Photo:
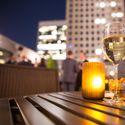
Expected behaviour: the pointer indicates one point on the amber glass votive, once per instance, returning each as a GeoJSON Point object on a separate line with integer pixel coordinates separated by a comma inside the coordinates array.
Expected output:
{"type": "Point", "coordinates": [93, 80]}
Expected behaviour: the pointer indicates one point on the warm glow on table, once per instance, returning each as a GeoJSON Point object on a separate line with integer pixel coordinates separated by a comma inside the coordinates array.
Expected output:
{"type": "Point", "coordinates": [93, 80]}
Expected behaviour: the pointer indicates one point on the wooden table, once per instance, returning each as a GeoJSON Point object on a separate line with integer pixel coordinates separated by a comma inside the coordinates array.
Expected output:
{"type": "Point", "coordinates": [62, 108]}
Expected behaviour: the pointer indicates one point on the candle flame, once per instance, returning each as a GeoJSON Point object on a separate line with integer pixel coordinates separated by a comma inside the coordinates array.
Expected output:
{"type": "Point", "coordinates": [97, 82]}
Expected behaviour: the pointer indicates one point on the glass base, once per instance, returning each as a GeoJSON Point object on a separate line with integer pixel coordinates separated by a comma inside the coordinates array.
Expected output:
{"type": "Point", "coordinates": [115, 100]}
{"type": "Point", "coordinates": [119, 103]}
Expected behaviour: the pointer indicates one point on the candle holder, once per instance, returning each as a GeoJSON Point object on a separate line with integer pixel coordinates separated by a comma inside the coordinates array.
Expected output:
{"type": "Point", "coordinates": [93, 80]}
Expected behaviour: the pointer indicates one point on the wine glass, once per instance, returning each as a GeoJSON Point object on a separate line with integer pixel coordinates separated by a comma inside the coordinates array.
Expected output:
{"type": "Point", "coordinates": [114, 50]}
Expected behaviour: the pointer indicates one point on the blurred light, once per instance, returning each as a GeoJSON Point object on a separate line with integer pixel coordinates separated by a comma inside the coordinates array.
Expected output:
{"type": "Point", "coordinates": [112, 3]}
{"type": "Point", "coordinates": [94, 59]}
{"type": "Point", "coordinates": [47, 28]}
{"type": "Point", "coordinates": [112, 73]}
{"type": "Point", "coordinates": [120, 14]}
{"type": "Point", "coordinates": [118, 54]}
{"type": "Point", "coordinates": [113, 14]}
{"type": "Point", "coordinates": [63, 37]}
{"type": "Point", "coordinates": [59, 41]}
{"type": "Point", "coordinates": [59, 56]}
{"type": "Point", "coordinates": [97, 21]}
{"type": "Point", "coordinates": [52, 27]}
{"type": "Point", "coordinates": [46, 56]}
{"type": "Point", "coordinates": [42, 29]}
{"type": "Point", "coordinates": [102, 4]}
{"type": "Point", "coordinates": [97, 81]}
{"type": "Point", "coordinates": [54, 32]}
{"type": "Point", "coordinates": [52, 46]}
{"type": "Point", "coordinates": [40, 52]}
{"type": "Point", "coordinates": [2, 61]}
{"type": "Point", "coordinates": [98, 51]}
{"type": "Point", "coordinates": [100, 21]}
{"type": "Point", "coordinates": [103, 21]}
{"type": "Point", "coordinates": [46, 37]}
{"type": "Point", "coordinates": [1, 53]}
{"type": "Point", "coordinates": [64, 27]}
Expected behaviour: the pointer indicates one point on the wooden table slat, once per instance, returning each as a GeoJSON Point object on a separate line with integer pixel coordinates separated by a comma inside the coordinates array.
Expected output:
{"type": "Point", "coordinates": [31, 115]}
{"type": "Point", "coordinates": [78, 96]}
{"type": "Point", "coordinates": [102, 108]}
{"type": "Point", "coordinates": [5, 113]}
{"type": "Point", "coordinates": [60, 115]}
{"type": "Point", "coordinates": [83, 111]}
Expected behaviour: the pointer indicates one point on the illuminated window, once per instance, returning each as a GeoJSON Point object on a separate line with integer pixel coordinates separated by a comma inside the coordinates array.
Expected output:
{"type": "Point", "coordinates": [102, 5]}
{"type": "Point", "coordinates": [100, 21]}
{"type": "Point", "coordinates": [1, 53]}
{"type": "Point", "coordinates": [119, 14]}
{"type": "Point", "coordinates": [112, 3]}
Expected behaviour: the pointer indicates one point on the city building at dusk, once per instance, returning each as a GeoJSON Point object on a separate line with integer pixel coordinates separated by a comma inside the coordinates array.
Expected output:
{"type": "Point", "coordinates": [85, 22]}
{"type": "Point", "coordinates": [9, 47]}
{"type": "Point", "coordinates": [52, 39]}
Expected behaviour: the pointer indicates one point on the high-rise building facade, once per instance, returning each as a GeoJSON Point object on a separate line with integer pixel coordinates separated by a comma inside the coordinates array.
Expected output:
{"type": "Point", "coordinates": [52, 39]}
{"type": "Point", "coordinates": [86, 20]}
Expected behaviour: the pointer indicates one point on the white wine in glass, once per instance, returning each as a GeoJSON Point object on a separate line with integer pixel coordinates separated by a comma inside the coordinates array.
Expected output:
{"type": "Point", "coordinates": [114, 48]}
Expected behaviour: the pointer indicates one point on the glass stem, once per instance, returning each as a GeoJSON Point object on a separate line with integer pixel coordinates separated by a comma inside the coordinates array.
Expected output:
{"type": "Point", "coordinates": [116, 82]}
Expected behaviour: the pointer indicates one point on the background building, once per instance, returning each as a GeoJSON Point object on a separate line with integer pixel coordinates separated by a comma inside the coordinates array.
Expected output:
{"type": "Point", "coordinates": [52, 39]}
{"type": "Point", "coordinates": [86, 20]}
{"type": "Point", "coordinates": [9, 47]}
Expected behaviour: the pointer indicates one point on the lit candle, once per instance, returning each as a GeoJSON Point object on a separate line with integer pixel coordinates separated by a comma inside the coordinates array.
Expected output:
{"type": "Point", "coordinates": [93, 80]}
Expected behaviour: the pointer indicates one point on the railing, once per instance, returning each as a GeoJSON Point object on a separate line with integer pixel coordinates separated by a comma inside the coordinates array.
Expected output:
{"type": "Point", "coordinates": [22, 80]}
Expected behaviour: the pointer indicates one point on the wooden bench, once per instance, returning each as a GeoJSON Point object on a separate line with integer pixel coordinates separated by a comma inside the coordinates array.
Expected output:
{"type": "Point", "coordinates": [18, 80]}
{"type": "Point", "coordinates": [62, 108]}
